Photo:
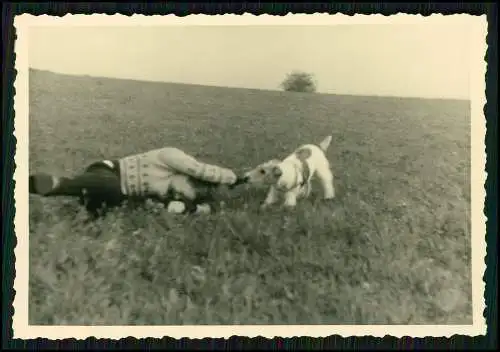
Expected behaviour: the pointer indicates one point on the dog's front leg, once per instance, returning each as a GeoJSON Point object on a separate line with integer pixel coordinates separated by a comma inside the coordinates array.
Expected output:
{"type": "Point", "coordinates": [271, 198]}
{"type": "Point", "coordinates": [290, 200]}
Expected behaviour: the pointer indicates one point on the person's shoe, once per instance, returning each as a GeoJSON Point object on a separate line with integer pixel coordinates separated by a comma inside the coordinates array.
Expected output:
{"type": "Point", "coordinates": [177, 207]}
{"type": "Point", "coordinates": [42, 184]}
{"type": "Point", "coordinates": [204, 209]}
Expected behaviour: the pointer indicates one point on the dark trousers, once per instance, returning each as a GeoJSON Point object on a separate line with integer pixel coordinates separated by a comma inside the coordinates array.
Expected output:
{"type": "Point", "coordinates": [102, 187]}
{"type": "Point", "coordinates": [97, 188]}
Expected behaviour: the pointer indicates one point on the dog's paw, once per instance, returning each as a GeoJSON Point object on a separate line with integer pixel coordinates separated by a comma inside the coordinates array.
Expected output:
{"type": "Point", "coordinates": [289, 206]}
{"type": "Point", "coordinates": [264, 207]}
{"type": "Point", "coordinates": [328, 200]}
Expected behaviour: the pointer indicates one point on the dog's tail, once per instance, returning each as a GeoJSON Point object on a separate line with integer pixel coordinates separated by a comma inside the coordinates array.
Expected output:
{"type": "Point", "coordinates": [325, 143]}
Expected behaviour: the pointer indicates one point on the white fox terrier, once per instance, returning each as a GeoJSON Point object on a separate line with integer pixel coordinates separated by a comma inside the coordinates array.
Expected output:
{"type": "Point", "coordinates": [291, 177]}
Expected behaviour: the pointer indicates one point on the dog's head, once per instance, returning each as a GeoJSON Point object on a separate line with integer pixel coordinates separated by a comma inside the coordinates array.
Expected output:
{"type": "Point", "coordinates": [273, 172]}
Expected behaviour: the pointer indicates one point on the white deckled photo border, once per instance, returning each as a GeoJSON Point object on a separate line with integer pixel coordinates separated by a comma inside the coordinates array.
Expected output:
{"type": "Point", "coordinates": [23, 330]}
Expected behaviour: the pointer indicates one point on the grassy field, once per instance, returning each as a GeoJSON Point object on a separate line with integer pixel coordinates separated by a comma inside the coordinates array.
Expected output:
{"type": "Point", "coordinates": [394, 248]}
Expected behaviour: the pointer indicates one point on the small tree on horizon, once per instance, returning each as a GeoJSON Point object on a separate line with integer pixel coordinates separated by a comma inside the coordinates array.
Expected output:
{"type": "Point", "coordinates": [298, 81]}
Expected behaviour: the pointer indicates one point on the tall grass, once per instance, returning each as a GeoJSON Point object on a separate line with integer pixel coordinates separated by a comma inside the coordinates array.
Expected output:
{"type": "Point", "coordinates": [394, 248]}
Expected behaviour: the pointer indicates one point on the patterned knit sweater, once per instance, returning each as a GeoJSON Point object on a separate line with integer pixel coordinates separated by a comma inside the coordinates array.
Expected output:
{"type": "Point", "coordinates": [150, 173]}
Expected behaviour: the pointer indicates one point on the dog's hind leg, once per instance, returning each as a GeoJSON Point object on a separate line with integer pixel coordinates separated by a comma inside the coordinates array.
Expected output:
{"type": "Point", "coordinates": [325, 176]}
{"type": "Point", "coordinates": [290, 200]}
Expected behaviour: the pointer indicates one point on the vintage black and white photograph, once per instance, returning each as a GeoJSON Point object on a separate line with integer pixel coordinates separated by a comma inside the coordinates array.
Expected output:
{"type": "Point", "coordinates": [262, 173]}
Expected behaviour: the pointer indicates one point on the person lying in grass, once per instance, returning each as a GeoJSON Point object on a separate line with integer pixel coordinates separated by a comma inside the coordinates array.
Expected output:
{"type": "Point", "coordinates": [168, 175]}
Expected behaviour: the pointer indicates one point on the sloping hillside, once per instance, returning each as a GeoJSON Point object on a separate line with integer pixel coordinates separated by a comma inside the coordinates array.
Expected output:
{"type": "Point", "coordinates": [394, 247]}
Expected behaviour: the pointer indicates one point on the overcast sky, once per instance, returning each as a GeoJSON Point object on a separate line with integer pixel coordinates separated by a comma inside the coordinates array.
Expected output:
{"type": "Point", "coordinates": [397, 60]}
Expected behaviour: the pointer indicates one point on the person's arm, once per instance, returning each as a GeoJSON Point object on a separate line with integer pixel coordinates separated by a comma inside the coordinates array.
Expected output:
{"type": "Point", "coordinates": [181, 162]}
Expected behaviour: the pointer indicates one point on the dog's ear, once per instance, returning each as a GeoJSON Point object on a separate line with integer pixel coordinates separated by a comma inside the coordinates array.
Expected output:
{"type": "Point", "coordinates": [277, 172]}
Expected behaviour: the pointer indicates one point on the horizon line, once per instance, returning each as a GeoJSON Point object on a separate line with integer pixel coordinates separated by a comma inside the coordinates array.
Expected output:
{"type": "Point", "coordinates": [145, 80]}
